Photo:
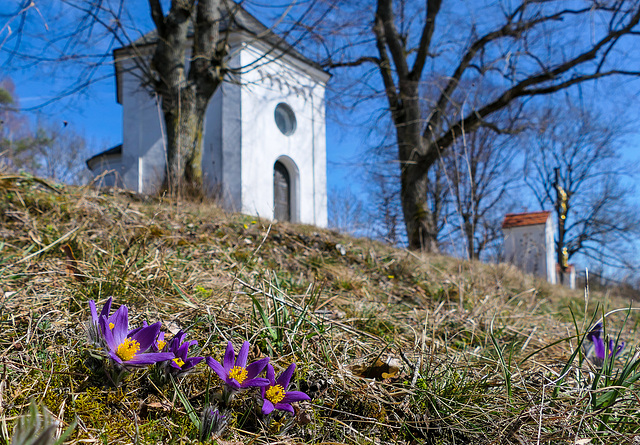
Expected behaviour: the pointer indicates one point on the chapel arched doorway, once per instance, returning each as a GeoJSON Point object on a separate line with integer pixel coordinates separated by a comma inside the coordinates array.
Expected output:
{"type": "Point", "coordinates": [281, 192]}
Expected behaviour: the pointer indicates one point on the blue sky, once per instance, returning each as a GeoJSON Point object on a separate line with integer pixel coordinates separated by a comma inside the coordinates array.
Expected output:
{"type": "Point", "coordinates": [95, 113]}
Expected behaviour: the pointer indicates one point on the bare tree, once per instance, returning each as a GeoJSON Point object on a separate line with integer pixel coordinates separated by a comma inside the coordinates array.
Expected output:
{"type": "Point", "coordinates": [387, 206]}
{"type": "Point", "coordinates": [51, 150]}
{"type": "Point", "coordinates": [574, 165]}
{"type": "Point", "coordinates": [426, 58]}
{"type": "Point", "coordinates": [347, 212]}
{"type": "Point", "coordinates": [56, 151]}
{"type": "Point", "coordinates": [481, 171]}
{"type": "Point", "coordinates": [183, 59]}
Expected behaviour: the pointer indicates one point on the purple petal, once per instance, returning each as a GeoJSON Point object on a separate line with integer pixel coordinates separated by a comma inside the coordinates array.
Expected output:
{"type": "Point", "coordinates": [107, 334]}
{"type": "Point", "coordinates": [217, 368]}
{"type": "Point", "coordinates": [249, 383]}
{"type": "Point", "coordinates": [182, 351]}
{"type": "Point", "coordinates": [241, 359]}
{"type": "Point", "coordinates": [120, 324]}
{"type": "Point", "coordinates": [267, 407]}
{"type": "Point", "coordinates": [191, 362]}
{"type": "Point", "coordinates": [94, 312]}
{"type": "Point", "coordinates": [598, 345]}
{"type": "Point", "coordinates": [271, 375]}
{"type": "Point", "coordinates": [147, 336]}
{"type": "Point", "coordinates": [285, 377]}
{"type": "Point", "coordinates": [106, 308]}
{"type": "Point", "coordinates": [612, 347]}
{"type": "Point", "coordinates": [229, 356]}
{"type": "Point", "coordinates": [149, 358]}
{"type": "Point", "coordinates": [282, 406]}
{"type": "Point", "coordinates": [294, 396]}
{"type": "Point", "coordinates": [179, 337]}
{"type": "Point", "coordinates": [233, 383]}
{"type": "Point", "coordinates": [115, 357]}
{"type": "Point", "coordinates": [256, 367]}
{"type": "Point", "coordinates": [595, 332]}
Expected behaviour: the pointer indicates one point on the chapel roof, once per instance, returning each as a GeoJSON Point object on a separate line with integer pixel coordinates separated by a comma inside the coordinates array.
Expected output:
{"type": "Point", "coordinates": [113, 151]}
{"type": "Point", "coordinates": [525, 219]}
{"type": "Point", "coordinates": [236, 18]}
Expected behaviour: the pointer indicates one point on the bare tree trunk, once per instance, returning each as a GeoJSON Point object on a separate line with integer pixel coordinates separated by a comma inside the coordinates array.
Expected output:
{"type": "Point", "coordinates": [422, 231]}
{"type": "Point", "coordinates": [469, 231]}
{"type": "Point", "coordinates": [185, 124]}
{"type": "Point", "coordinates": [185, 96]}
{"type": "Point", "coordinates": [421, 228]}
{"type": "Point", "coordinates": [402, 57]}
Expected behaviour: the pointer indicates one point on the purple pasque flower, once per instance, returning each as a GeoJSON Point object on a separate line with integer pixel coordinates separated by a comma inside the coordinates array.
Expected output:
{"type": "Point", "coordinates": [595, 336]}
{"type": "Point", "coordinates": [129, 348]}
{"type": "Point", "coordinates": [158, 344]}
{"type": "Point", "coordinates": [276, 396]}
{"type": "Point", "coordinates": [212, 423]}
{"type": "Point", "coordinates": [94, 332]}
{"type": "Point", "coordinates": [104, 312]}
{"type": "Point", "coordinates": [180, 349]}
{"type": "Point", "coordinates": [236, 374]}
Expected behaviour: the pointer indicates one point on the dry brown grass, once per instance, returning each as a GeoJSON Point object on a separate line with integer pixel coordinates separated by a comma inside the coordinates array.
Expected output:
{"type": "Point", "coordinates": [195, 267]}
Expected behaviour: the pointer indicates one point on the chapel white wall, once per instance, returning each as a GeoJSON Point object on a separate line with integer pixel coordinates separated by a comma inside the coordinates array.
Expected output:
{"type": "Point", "coordinates": [549, 231]}
{"type": "Point", "coordinates": [241, 141]}
{"type": "Point", "coordinates": [530, 248]}
{"type": "Point", "coordinates": [263, 144]}
{"type": "Point", "coordinates": [222, 144]}
{"type": "Point", "coordinates": [111, 169]}
{"type": "Point", "coordinates": [143, 148]}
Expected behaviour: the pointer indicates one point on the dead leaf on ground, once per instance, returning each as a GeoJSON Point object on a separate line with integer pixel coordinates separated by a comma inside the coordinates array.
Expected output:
{"type": "Point", "coordinates": [378, 370]}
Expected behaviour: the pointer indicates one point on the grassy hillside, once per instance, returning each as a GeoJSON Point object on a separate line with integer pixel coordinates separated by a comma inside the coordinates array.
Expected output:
{"type": "Point", "coordinates": [391, 346]}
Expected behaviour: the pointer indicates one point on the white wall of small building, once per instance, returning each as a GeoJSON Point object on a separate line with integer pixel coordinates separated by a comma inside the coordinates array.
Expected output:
{"type": "Point", "coordinates": [111, 170]}
{"type": "Point", "coordinates": [303, 152]}
{"type": "Point", "coordinates": [143, 146]}
{"type": "Point", "coordinates": [222, 143]}
{"type": "Point", "coordinates": [531, 248]}
{"type": "Point", "coordinates": [241, 141]}
{"type": "Point", "coordinates": [551, 257]}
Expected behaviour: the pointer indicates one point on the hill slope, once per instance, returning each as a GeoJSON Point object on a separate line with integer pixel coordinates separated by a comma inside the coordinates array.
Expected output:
{"type": "Point", "coordinates": [392, 347]}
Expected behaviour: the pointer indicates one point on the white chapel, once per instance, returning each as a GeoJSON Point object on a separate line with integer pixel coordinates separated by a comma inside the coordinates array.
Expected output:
{"type": "Point", "coordinates": [529, 244]}
{"type": "Point", "coordinates": [264, 137]}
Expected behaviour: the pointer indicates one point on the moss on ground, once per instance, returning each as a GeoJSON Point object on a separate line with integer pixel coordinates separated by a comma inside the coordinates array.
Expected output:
{"type": "Point", "coordinates": [477, 348]}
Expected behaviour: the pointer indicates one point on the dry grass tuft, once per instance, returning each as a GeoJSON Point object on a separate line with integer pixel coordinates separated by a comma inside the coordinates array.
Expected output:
{"type": "Point", "coordinates": [392, 347]}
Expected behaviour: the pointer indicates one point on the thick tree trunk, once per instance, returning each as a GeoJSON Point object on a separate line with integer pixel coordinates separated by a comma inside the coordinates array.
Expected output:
{"type": "Point", "coordinates": [185, 123]}
{"type": "Point", "coordinates": [185, 96]}
{"type": "Point", "coordinates": [418, 218]}
{"type": "Point", "coordinates": [469, 231]}
{"type": "Point", "coordinates": [422, 233]}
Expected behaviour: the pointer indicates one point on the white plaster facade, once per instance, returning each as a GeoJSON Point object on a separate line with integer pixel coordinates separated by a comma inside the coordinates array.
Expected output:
{"type": "Point", "coordinates": [241, 141]}
{"type": "Point", "coordinates": [532, 248]}
{"type": "Point", "coordinates": [529, 244]}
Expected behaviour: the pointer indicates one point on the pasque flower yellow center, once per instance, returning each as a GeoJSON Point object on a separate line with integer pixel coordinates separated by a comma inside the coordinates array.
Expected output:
{"type": "Point", "coordinates": [178, 361]}
{"type": "Point", "coordinates": [111, 325]}
{"type": "Point", "coordinates": [275, 394]}
{"type": "Point", "coordinates": [127, 350]}
{"type": "Point", "coordinates": [238, 373]}
{"type": "Point", "coordinates": [161, 344]}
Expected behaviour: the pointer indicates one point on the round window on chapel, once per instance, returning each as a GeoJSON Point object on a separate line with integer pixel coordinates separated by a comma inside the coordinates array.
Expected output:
{"type": "Point", "coordinates": [285, 119]}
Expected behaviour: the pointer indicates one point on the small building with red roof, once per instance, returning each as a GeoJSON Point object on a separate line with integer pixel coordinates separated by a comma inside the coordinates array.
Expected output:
{"type": "Point", "coordinates": [529, 243]}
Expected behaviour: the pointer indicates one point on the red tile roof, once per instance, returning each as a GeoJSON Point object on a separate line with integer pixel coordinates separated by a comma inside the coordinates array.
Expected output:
{"type": "Point", "coordinates": [524, 219]}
